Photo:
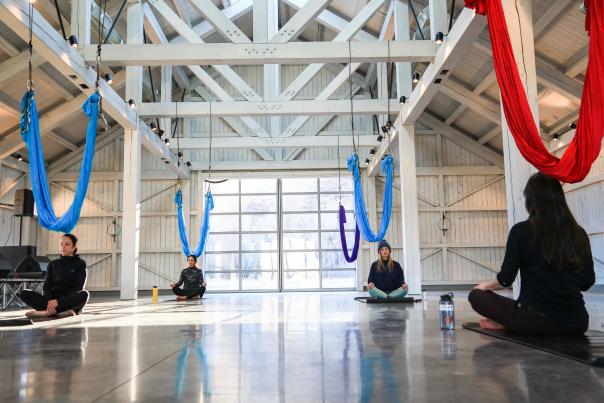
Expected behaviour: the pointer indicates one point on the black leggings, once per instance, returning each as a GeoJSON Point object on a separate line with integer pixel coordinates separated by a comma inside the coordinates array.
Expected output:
{"type": "Point", "coordinates": [520, 320]}
{"type": "Point", "coordinates": [39, 302]}
{"type": "Point", "coordinates": [189, 292]}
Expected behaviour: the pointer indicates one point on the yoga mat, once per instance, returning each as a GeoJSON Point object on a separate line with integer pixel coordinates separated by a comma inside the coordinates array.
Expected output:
{"type": "Point", "coordinates": [15, 322]}
{"type": "Point", "coordinates": [371, 300]}
{"type": "Point", "coordinates": [588, 349]}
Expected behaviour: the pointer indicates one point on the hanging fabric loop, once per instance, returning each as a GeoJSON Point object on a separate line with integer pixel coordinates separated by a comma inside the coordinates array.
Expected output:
{"type": "Point", "coordinates": [357, 235]}
{"type": "Point", "coordinates": [30, 132]}
{"type": "Point", "coordinates": [359, 203]}
{"type": "Point", "coordinates": [205, 227]}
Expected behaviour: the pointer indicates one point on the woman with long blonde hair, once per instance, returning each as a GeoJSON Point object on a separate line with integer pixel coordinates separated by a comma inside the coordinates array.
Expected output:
{"type": "Point", "coordinates": [386, 278]}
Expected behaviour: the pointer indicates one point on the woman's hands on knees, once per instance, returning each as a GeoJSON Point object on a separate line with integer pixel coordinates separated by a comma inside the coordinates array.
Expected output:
{"type": "Point", "coordinates": [52, 305]}
{"type": "Point", "coordinates": [370, 286]}
{"type": "Point", "coordinates": [488, 285]}
{"type": "Point", "coordinates": [405, 286]}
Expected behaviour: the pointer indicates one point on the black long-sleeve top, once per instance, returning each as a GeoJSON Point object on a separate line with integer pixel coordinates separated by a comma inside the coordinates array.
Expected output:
{"type": "Point", "coordinates": [555, 294]}
{"type": "Point", "coordinates": [191, 277]}
{"type": "Point", "coordinates": [64, 276]}
{"type": "Point", "coordinates": [386, 280]}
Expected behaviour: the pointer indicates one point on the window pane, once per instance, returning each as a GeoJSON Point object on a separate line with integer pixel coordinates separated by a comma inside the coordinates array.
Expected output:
{"type": "Point", "coordinates": [331, 184]}
{"type": "Point", "coordinates": [338, 279]}
{"type": "Point", "coordinates": [335, 260]}
{"type": "Point", "coordinates": [332, 202]}
{"type": "Point", "coordinates": [224, 223]}
{"type": "Point", "coordinates": [258, 280]}
{"type": "Point", "coordinates": [259, 222]}
{"type": "Point", "coordinates": [226, 204]}
{"type": "Point", "coordinates": [222, 281]}
{"type": "Point", "coordinates": [300, 222]}
{"type": "Point", "coordinates": [259, 242]}
{"type": "Point", "coordinates": [297, 185]}
{"type": "Point", "coordinates": [302, 279]}
{"type": "Point", "coordinates": [258, 185]}
{"type": "Point", "coordinates": [229, 187]}
{"type": "Point", "coordinates": [261, 204]}
{"type": "Point", "coordinates": [300, 203]}
{"type": "Point", "coordinates": [331, 240]}
{"type": "Point", "coordinates": [303, 240]}
{"type": "Point", "coordinates": [330, 221]}
{"type": "Point", "coordinates": [223, 242]}
{"type": "Point", "coordinates": [260, 261]}
{"type": "Point", "coordinates": [221, 262]}
{"type": "Point", "coordinates": [300, 260]}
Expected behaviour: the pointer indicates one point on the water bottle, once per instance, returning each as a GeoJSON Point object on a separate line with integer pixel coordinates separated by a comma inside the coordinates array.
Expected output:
{"type": "Point", "coordinates": [447, 312]}
{"type": "Point", "coordinates": [155, 294]}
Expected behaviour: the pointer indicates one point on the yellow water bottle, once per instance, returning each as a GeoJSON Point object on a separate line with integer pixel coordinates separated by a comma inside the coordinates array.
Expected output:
{"type": "Point", "coordinates": [155, 294]}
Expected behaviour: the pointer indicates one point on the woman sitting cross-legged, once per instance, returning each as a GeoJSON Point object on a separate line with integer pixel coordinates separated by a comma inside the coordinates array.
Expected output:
{"type": "Point", "coordinates": [191, 279]}
{"type": "Point", "coordinates": [553, 255]}
{"type": "Point", "coordinates": [63, 290]}
{"type": "Point", "coordinates": [386, 277]}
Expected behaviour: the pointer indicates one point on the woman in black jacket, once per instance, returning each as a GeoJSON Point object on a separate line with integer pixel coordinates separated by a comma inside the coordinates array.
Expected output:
{"type": "Point", "coordinates": [192, 281]}
{"type": "Point", "coordinates": [553, 255]}
{"type": "Point", "coordinates": [386, 277]}
{"type": "Point", "coordinates": [63, 290]}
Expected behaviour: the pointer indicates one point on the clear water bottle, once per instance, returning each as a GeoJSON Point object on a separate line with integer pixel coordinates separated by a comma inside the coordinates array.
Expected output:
{"type": "Point", "coordinates": [447, 312]}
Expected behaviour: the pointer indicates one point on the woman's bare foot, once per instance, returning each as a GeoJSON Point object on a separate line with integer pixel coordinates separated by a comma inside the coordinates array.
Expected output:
{"type": "Point", "coordinates": [490, 324]}
{"type": "Point", "coordinates": [196, 297]}
{"type": "Point", "coordinates": [40, 314]}
{"type": "Point", "coordinates": [181, 298]}
{"type": "Point", "coordinates": [67, 313]}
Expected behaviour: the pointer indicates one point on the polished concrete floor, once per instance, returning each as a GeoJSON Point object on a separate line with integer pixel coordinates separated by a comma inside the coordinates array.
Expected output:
{"type": "Point", "coordinates": [296, 347]}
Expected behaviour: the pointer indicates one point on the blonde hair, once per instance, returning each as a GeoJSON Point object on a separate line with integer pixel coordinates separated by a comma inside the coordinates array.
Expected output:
{"type": "Point", "coordinates": [380, 263]}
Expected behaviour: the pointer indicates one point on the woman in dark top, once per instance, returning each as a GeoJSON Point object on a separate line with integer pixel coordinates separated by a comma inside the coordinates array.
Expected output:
{"type": "Point", "coordinates": [191, 279]}
{"type": "Point", "coordinates": [63, 290]}
{"type": "Point", "coordinates": [386, 278]}
{"type": "Point", "coordinates": [553, 255]}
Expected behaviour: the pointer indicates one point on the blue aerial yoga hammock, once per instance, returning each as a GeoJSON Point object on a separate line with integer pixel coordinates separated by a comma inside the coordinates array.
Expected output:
{"type": "Point", "coordinates": [359, 203]}
{"type": "Point", "coordinates": [205, 226]}
{"type": "Point", "coordinates": [30, 131]}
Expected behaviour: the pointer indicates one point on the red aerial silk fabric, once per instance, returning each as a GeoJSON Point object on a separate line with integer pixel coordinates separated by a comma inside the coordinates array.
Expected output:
{"type": "Point", "coordinates": [576, 162]}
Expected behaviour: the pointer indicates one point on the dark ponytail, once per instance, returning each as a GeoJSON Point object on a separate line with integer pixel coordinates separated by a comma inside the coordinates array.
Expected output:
{"type": "Point", "coordinates": [74, 241]}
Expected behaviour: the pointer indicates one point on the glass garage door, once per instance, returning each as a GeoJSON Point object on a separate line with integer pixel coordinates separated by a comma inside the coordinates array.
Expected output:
{"type": "Point", "coordinates": [279, 234]}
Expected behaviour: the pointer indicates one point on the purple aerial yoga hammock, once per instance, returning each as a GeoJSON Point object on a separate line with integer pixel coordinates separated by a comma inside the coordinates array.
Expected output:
{"type": "Point", "coordinates": [355, 248]}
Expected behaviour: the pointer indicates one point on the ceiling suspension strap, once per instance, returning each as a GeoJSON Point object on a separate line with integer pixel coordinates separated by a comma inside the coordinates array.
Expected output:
{"type": "Point", "coordinates": [354, 144]}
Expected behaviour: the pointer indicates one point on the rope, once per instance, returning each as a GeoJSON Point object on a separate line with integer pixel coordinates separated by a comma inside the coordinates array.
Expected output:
{"type": "Point", "coordinates": [389, 94]}
{"type": "Point", "coordinates": [416, 20]}
{"type": "Point", "coordinates": [354, 145]}
{"type": "Point", "coordinates": [339, 173]}
{"type": "Point", "coordinates": [210, 151]}
{"type": "Point", "coordinates": [451, 16]}
{"type": "Point", "coordinates": [30, 48]}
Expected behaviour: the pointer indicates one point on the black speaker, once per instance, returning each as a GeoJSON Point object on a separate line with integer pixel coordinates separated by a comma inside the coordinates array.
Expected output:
{"type": "Point", "coordinates": [24, 203]}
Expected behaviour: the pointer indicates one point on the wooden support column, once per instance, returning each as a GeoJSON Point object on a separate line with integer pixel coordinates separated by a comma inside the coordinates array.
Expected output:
{"type": "Point", "coordinates": [166, 96]}
{"type": "Point", "coordinates": [438, 17]}
{"type": "Point", "coordinates": [519, 19]}
{"type": "Point", "coordinates": [80, 21]}
{"type": "Point", "coordinates": [266, 25]}
{"type": "Point", "coordinates": [408, 171]}
{"type": "Point", "coordinates": [132, 167]}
